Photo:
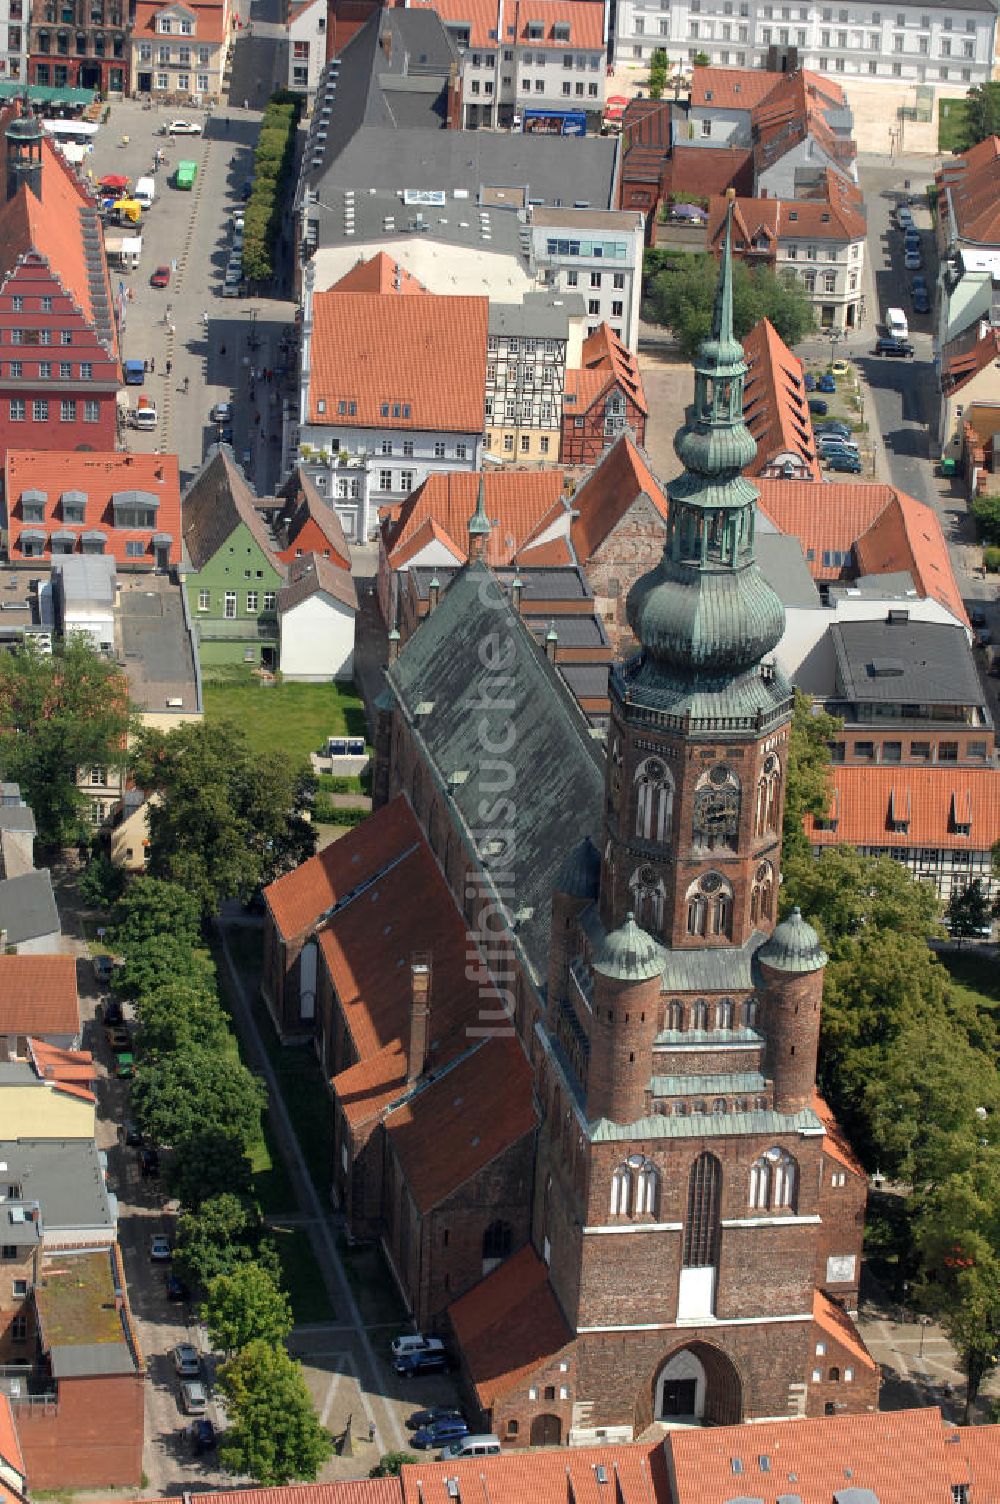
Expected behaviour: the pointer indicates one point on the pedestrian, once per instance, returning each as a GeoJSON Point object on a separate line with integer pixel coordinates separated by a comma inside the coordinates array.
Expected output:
{"type": "Point", "coordinates": [256, 418]}
{"type": "Point", "coordinates": [152, 365]}
{"type": "Point", "coordinates": [251, 392]}
{"type": "Point", "coordinates": [204, 318]}
{"type": "Point", "coordinates": [371, 1430]}
{"type": "Point", "coordinates": [172, 330]}
{"type": "Point", "coordinates": [170, 366]}
{"type": "Point", "coordinates": [246, 104]}
{"type": "Point", "coordinates": [145, 367]}
{"type": "Point", "coordinates": [173, 265]}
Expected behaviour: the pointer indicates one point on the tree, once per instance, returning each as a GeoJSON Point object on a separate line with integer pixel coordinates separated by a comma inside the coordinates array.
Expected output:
{"type": "Point", "coordinates": [229, 819]}
{"type": "Point", "coordinates": [243, 1305]}
{"type": "Point", "coordinates": [983, 112]}
{"type": "Point", "coordinates": [216, 1237]}
{"type": "Point", "coordinates": [807, 787]}
{"type": "Point", "coordinates": [683, 296]}
{"type": "Point", "coordinates": [969, 910]}
{"type": "Point", "coordinates": [160, 962]}
{"type": "Point", "coordinates": [391, 1464]}
{"type": "Point", "coordinates": [275, 1435]}
{"type": "Point", "coordinates": [986, 512]}
{"type": "Point", "coordinates": [847, 894]}
{"type": "Point", "coordinates": [60, 712]}
{"type": "Point", "coordinates": [206, 1162]}
{"type": "Point", "coordinates": [178, 1096]}
{"type": "Point", "coordinates": [101, 883]}
{"type": "Point", "coordinates": [150, 907]}
{"type": "Point", "coordinates": [182, 1016]}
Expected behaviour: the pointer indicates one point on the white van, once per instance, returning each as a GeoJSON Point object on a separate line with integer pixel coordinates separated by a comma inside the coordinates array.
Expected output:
{"type": "Point", "coordinates": [144, 418]}
{"type": "Point", "coordinates": [895, 323]}
{"type": "Point", "coordinates": [416, 1342]}
{"type": "Point", "coordinates": [471, 1446]}
{"type": "Point", "coordinates": [144, 192]}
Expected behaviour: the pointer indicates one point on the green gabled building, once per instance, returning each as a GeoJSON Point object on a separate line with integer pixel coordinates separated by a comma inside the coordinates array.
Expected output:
{"type": "Point", "coordinates": [233, 574]}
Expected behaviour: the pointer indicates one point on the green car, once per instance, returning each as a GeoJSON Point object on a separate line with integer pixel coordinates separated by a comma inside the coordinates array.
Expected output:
{"type": "Point", "coordinates": [124, 1065]}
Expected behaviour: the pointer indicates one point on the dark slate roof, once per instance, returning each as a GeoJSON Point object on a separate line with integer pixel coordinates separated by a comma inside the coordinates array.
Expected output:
{"type": "Point", "coordinates": [783, 565]}
{"type": "Point", "coordinates": [17, 817]}
{"type": "Point", "coordinates": [572, 631]}
{"type": "Point", "coordinates": [214, 505]}
{"type": "Point", "coordinates": [561, 582]}
{"type": "Point", "coordinates": [27, 907]}
{"type": "Point", "coordinates": [921, 662]}
{"type": "Point", "coordinates": [556, 769]}
{"type": "Point", "coordinates": [588, 681]}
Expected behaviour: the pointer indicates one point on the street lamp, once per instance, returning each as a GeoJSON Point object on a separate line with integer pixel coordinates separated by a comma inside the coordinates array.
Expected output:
{"type": "Point", "coordinates": [925, 1322]}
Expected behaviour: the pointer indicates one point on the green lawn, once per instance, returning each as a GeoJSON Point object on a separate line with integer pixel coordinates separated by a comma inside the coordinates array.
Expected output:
{"type": "Point", "coordinates": [304, 1092]}
{"type": "Point", "coordinates": [975, 976]}
{"type": "Point", "coordinates": [301, 1275]}
{"type": "Point", "coordinates": [371, 1284]}
{"type": "Point", "coordinates": [295, 718]}
{"type": "Point", "coordinates": [953, 128]}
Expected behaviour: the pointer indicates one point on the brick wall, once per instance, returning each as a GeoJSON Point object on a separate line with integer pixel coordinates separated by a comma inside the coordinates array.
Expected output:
{"type": "Point", "coordinates": [842, 1207]}
{"type": "Point", "coordinates": [92, 1438]}
{"type": "Point", "coordinates": [633, 547]}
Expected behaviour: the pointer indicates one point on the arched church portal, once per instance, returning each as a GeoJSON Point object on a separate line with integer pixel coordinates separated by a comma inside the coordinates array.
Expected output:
{"type": "Point", "coordinates": [698, 1385]}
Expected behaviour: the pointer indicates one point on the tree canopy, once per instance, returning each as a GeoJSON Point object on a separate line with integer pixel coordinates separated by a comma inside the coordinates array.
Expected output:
{"type": "Point", "coordinates": [682, 296]}
{"type": "Point", "coordinates": [275, 1435]}
{"type": "Point", "coordinates": [179, 1096]}
{"type": "Point", "coordinates": [219, 1235]}
{"type": "Point", "coordinates": [162, 961]}
{"type": "Point", "coordinates": [181, 1016]}
{"type": "Point", "coordinates": [807, 785]}
{"type": "Point", "coordinates": [149, 908]}
{"type": "Point", "coordinates": [229, 818]}
{"type": "Point", "coordinates": [60, 712]}
{"type": "Point", "coordinates": [969, 911]}
{"type": "Point", "coordinates": [982, 112]}
{"type": "Point", "coordinates": [245, 1304]}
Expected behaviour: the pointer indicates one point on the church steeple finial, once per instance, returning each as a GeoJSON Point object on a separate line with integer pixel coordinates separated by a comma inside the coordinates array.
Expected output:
{"type": "Point", "coordinates": [722, 313]}
{"type": "Point", "coordinates": [479, 524]}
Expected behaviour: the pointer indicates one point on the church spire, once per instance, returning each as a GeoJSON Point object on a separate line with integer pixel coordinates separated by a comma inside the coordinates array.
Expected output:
{"type": "Point", "coordinates": [479, 524]}
{"type": "Point", "coordinates": [705, 616]}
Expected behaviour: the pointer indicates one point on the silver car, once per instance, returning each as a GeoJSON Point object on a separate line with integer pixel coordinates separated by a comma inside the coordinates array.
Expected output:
{"type": "Point", "coordinates": [194, 1397]}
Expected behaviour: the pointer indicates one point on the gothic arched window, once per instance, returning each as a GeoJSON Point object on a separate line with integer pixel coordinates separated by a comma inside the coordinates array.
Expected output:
{"type": "Point", "coordinates": [768, 796]}
{"type": "Point", "coordinates": [675, 1016]}
{"type": "Point", "coordinates": [647, 1185]}
{"type": "Point", "coordinates": [724, 1013]}
{"type": "Point", "coordinates": [647, 895]}
{"type": "Point", "coordinates": [709, 905]}
{"type": "Point", "coordinates": [498, 1240]}
{"type": "Point", "coordinates": [762, 893]}
{"type": "Point", "coordinates": [701, 1228]}
{"type": "Point", "coordinates": [774, 1180]}
{"type": "Point", "coordinates": [699, 1015]}
{"type": "Point", "coordinates": [717, 809]}
{"type": "Point", "coordinates": [621, 1191]}
{"type": "Point", "coordinates": [654, 803]}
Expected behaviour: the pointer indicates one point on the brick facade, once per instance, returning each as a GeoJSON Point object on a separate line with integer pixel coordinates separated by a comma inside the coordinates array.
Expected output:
{"type": "Point", "coordinates": [91, 1437]}
{"type": "Point", "coordinates": [630, 548]}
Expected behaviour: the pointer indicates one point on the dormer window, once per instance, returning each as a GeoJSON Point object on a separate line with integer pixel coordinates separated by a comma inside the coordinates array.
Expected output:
{"type": "Point", "coordinates": [33, 506]}
{"type": "Point", "coordinates": [165, 25]}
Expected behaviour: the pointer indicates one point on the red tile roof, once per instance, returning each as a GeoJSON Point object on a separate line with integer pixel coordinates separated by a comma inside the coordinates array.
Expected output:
{"type": "Point", "coordinates": [636, 1474]}
{"type": "Point", "coordinates": [902, 1456]}
{"type": "Point", "coordinates": [936, 801]}
{"type": "Point", "coordinates": [690, 170]}
{"type": "Point", "coordinates": [887, 530]}
{"type": "Point", "coordinates": [481, 18]}
{"type": "Point", "coordinates": [372, 975]}
{"type": "Point", "coordinates": [509, 1325]}
{"type": "Point", "coordinates": [516, 500]}
{"type": "Point", "coordinates": [622, 475]}
{"type": "Point", "coordinates": [835, 1322]}
{"type": "Point", "coordinates": [38, 995]}
{"type": "Point", "coordinates": [368, 1087]}
{"type": "Point", "coordinates": [835, 1144]}
{"type": "Point", "coordinates": [99, 476]}
{"type": "Point", "coordinates": [969, 193]}
{"type": "Point", "coordinates": [298, 900]}
{"type": "Point", "coordinates": [775, 404]}
{"type": "Point", "coordinates": [353, 1491]}
{"type": "Point", "coordinates": [55, 1064]}
{"type": "Point", "coordinates": [966, 356]}
{"type": "Point", "coordinates": [798, 107]}
{"type": "Point", "coordinates": [550, 555]}
{"type": "Point", "coordinates": [10, 1442]}
{"type": "Point", "coordinates": [979, 1447]}
{"type": "Point", "coordinates": [607, 363]}
{"type": "Point", "coordinates": [311, 515]}
{"type": "Point", "coordinates": [379, 274]}
{"type": "Point", "coordinates": [209, 20]}
{"type": "Point", "coordinates": [313, 575]}
{"type": "Point", "coordinates": [770, 220]}
{"type": "Point", "coordinates": [730, 88]}
{"type": "Point", "coordinates": [425, 354]}
{"type": "Point", "coordinates": [463, 1120]}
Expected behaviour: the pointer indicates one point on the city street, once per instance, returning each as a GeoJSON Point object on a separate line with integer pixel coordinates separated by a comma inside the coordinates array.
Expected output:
{"type": "Point", "coordinates": [189, 232]}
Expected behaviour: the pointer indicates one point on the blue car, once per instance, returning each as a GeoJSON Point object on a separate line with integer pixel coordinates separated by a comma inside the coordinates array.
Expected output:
{"type": "Point", "coordinates": [441, 1434]}
{"type": "Point", "coordinates": [847, 463]}
{"type": "Point", "coordinates": [412, 1365]}
{"type": "Point", "coordinates": [921, 302]}
{"type": "Point", "coordinates": [818, 406]}
{"type": "Point", "coordinates": [810, 382]}
{"type": "Point", "coordinates": [826, 383]}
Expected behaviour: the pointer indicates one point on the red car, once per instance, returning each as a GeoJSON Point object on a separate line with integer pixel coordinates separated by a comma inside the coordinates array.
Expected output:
{"type": "Point", "coordinates": [161, 277]}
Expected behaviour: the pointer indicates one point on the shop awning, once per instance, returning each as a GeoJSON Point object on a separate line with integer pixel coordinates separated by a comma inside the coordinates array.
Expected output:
{"type": "Point", "coordinates": [43, 94]}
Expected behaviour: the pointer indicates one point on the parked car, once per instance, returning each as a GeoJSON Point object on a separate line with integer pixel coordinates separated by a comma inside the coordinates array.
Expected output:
{"type": "Point", "coordinates": [159, 1248]}
{"type": "Point", "coordinates": [919, 283]}
{"type": "Point", "coordinates": [833, 429]}
{"type": "Point", "coordinates": [187, 1360]}
{"type": "Point", "coordinates": [888, 345]}
{"type": "Point", "coordinates": [904, 216]}
{"type": "Point", "coordinates": [124, 1066]}
{"type": "Point", "coordinates": [118, 1037]}
{"type": "Point", "coordinates": [194, 1397]}
{"type": "Point", "coordinates": [222, 412]}
{"type": "Point", "coordinates": [414, 1342]}
{"type": "Point", "coordinates": [810, 381]}
{"type": "Point", "coordinates": [412, 1365]}
{"type": "Point", "coordinates": [849, 464]}
{"type": "Point", "coordinates": [921, 302]}
{"type": "Point", "coordinates": [977, 616]}
{"type": "Point", "coordinates": [112, 1013]}
{"type": "Point", "coordinates": [184, 128]}
{"type": "Point", "coordinates": [161, 277]}
{"type": "Point", "coordinates": [149, 1163]}
{"type": "Point", "coordinates": [440, 1434]}
{"type": "Point", "coordinates": [826, 383]}
{"type": "Point", "coordinates": [840, 368]}
{"type": "Point", "coordinates": [913, 260]}
{"type": "Point", "coordinates": [176, 1288]}
{"type": "Point", "coordinates": [246, 190]}
{"type": "Point", "coordinates": [104, 967]}
{"type": "Point", "coordinates": [818, 406]}
{"type": "Point", "coordinates": [432, 1413]}
{"type": "Point", "coordinates": [835, 441]}
{"type": "Point", "coordinates": [202, 1434]}
{"type": "Point", "coordinates": [133, 1134]}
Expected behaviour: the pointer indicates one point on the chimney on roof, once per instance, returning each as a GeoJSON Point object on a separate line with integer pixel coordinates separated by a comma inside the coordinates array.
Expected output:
{"type": "Point", "coordinates": [386, 40]}
{"type": "Point", "coordinates": [24, 155]}
{"type": "Point", "coordinates": [516, 591]}
{"type": "Point", "coordinates": [433, 592]}
{"type": "Point", "coordinates": [479, 525]}
{"type": "Point", "coordinates": [394, 645]}
{"type": "Point", "coordinates": [551, 642]}
{"type": "Point", "coordinates": [420, 1015]}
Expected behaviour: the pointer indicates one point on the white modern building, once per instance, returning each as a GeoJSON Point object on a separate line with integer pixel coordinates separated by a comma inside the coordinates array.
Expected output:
{"type": "Point", "coordinates": [923, 43]}
{"type": "Point", "coordinates": [598, 254]}
{"type": "Point", "coordinates": [316, 616]}
{"type": "Point", "coordinates": [306, 46]}
{"type": "Point", "coordinates": [14, 17]}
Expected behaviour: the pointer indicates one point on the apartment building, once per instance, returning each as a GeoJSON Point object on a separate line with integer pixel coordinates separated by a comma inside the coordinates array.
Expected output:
{"type": "Point", "coordinates": [79, 44]}
{"type": "Point", "coordinates": [530, 346]}
{"type": "Point", "coordinates": [538, 66]}
{"type": "Point", "coordinates": [306, 46]}
{"type": "Point", "coordinates": [14, 40]}
{"type": "Point", "coordinates": [597, 253]}
{"type": "Point", "coordinates": [923, 43]}
{"type": "Point", "coordinates": [179, 50]}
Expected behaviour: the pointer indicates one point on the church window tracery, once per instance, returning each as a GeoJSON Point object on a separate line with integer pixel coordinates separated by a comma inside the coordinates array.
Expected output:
{"type": "Point", "coordinates": [768, 796]}
{"type": "Point", "coordinates": [717, 809]}
{"type": "Point", "coordinates": [654, 805]}
{"type": "Point", "coordinates": [709, 905]}
{"type": "Point", "coordinates": [762, 893]}
{"type": "Point", "coordinates": [647, 897]}
{"type": "Point", "coordinates": [774, 1180]}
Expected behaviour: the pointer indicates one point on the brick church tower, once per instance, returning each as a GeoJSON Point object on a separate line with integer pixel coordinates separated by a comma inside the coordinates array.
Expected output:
{"type": "Point", "coordinates": [701, 1233]}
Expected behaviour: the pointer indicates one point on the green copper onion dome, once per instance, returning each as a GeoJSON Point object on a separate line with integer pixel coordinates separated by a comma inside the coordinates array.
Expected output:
{"type": "Point", "coordinates": [793, 946]}
{"type": "Point", "coordinates": [629, 954]}
{"type": "Point", "coordinates": [705, 615]}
